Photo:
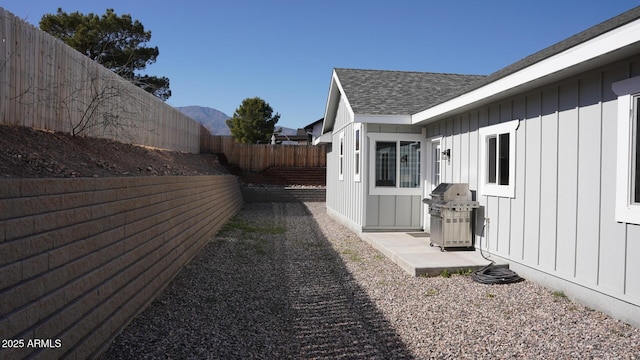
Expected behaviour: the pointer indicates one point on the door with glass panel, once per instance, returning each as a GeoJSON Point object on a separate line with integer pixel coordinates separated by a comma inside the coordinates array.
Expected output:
{"type": "Point", "coordinates": [436, 168]}
{"type": "Point", "coordinates": [433, 175]}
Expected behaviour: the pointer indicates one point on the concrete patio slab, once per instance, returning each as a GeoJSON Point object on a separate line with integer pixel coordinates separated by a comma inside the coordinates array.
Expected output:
{"type": "Point", "coordinates": [411, 251]}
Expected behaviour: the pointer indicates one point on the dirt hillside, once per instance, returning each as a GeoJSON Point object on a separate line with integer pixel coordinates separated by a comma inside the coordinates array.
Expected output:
{"type": "Point", "coordinates": [31, 153]}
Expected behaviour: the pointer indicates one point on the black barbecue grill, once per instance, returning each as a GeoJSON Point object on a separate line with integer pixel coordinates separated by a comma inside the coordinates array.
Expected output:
{"type": "Point", "coordinates": [451, 207]}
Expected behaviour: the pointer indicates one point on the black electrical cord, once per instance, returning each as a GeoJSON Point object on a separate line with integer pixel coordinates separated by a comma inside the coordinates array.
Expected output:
{"type": "Point", "coordinates": [491, 274]}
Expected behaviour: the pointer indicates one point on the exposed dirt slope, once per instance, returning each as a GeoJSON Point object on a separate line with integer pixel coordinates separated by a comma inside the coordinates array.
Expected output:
{"type": "Point", "coordinates": [30, 153]}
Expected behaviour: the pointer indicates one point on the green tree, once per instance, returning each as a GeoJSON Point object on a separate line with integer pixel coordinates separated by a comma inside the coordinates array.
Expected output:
{"type": "Point", "coordinates": [253, 122]}
{"type": "Point", "coordinates": [116, 42]}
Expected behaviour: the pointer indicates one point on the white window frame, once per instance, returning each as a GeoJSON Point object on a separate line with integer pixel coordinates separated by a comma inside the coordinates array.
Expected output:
{"type": "Point", "coordinates": [430, 161]}
{"type": "Point", "coordinates": [341, 156]}
{"type": "Point", "coordinates": [491, 189]}
{"type": "Point", "coordinates": [627, 90]}
{"type": "Point", "coordinates": [357, 151]}
{"type": "Point", "coordinates": [397, 138]}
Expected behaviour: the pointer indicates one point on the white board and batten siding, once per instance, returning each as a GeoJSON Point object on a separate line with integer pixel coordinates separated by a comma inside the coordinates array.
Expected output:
{"type": "Point", "coordinates": [391, 212]}
{"type": "Point", "coordinates": [349, 200]}
{"type": "Point", "coordinates": [344, 195]}
{"type": "Point", "coordinates": [561, 219]}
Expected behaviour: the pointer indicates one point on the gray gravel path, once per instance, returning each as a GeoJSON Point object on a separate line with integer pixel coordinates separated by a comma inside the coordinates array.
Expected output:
{"type": "Point", "coordinates": [283, 280]}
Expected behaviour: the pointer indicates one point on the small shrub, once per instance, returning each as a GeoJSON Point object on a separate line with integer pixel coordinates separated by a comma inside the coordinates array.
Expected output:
{"type": "Point", "coordinates": [353, 255]}
{"type": "Point", "coordinates": [464, 272]}
{"type": "Point", "coordinates": [245, 227]}
{"type": "Point", "coordinates": [445, 273]}
{"type": "Point", "coordinates": [559, 295]}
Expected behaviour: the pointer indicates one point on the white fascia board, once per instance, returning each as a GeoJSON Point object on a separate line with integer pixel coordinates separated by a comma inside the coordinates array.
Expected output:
{"type": "Point", "coordinates": [325, 138]}
{"type": "Point", "coordinates": [333, 101]}
{"type": "Point", "coordinates": [330, 100]}
{"type": "Point", "coordinates": [383, 119]}
{"type": "Point", "coordinates": [613, 40]}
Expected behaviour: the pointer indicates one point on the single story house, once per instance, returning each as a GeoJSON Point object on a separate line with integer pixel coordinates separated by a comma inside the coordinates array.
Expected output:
{"type": "Point", "coordinates": [314, 130]}
{"type": "Point", "coordinates": [303, 136]}
{"type": "Point", "coordinates": [299, 138]}
{"type": "Point", "coordinates": [550, 147]}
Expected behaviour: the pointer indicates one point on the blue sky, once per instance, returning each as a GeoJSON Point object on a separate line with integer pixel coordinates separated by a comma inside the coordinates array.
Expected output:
{"type": "Point", "coordinates": [217, 53]}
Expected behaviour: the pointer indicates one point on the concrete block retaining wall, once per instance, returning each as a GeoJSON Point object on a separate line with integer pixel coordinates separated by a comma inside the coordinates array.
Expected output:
{"type": "Point", "coordinates": [79, 258]}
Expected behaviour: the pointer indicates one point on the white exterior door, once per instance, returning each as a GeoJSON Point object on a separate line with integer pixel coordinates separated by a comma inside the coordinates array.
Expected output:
{"type": "Point", "coordinates": [433, 174]}
{"type": "Point", "coordinates": [436, 168]}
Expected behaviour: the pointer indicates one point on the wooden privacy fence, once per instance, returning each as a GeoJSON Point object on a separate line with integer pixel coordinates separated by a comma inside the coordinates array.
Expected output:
{"type": "Point", "coordinates": [46, 84]}
{"type": "Point", "coordinates": [250, 157]}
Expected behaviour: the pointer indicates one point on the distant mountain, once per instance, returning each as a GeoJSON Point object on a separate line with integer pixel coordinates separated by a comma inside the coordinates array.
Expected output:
{"type": "Point", "coordinates": [212, 119]}
{"type": "Point", "coordinates": [215, 120]}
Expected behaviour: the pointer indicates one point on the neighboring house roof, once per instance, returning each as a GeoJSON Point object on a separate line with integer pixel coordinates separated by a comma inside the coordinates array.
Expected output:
{"type": "Point", "coordinates": [301, 136]}
{"type": "Point", "coordinates": [381, 92]}
{"type": "Point", "coordinates": [310, 126]}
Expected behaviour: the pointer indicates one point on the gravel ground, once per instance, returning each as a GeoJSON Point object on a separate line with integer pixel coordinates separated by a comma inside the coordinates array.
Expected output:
{"type": "Point", "coordinates": [283, 280]}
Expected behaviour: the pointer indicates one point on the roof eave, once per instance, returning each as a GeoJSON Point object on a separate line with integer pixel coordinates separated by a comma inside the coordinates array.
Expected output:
{"type": "Point", "coordinates": [616, 44]}
{"type": "Point", "coordinates": [383, 119]}
{"type": "Point", "coordinates": [310, 126]}
{"type": "Point", "coordinates": [333, 101]}
{"type": "Point", "coordinates": [325, 138]}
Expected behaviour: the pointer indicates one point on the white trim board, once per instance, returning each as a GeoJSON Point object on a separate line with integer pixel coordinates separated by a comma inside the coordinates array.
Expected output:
{"type": "Point", "coordinates": [626, 90]}
{"type": "Point", "coordinates": [602, 45]}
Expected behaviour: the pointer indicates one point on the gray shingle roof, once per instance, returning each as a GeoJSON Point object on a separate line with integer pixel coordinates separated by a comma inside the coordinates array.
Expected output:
{"type": "Point", "coordinates": [382, 92]}
{"type": "Point", "coordinates": [552, 50]}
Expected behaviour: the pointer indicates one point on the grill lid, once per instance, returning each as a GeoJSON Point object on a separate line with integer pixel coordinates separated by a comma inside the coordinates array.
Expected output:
{"type": "Point", "coordinates": [451, 196]}
{"type": "Point", "coordinates": [451, 192]}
